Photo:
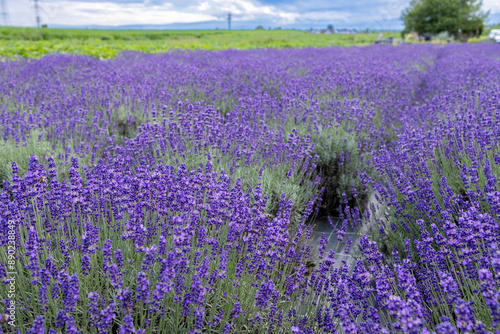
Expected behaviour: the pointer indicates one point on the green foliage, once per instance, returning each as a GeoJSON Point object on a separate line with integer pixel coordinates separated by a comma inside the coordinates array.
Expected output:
{"type": "Point", "coordinates": [34, 144]}
{"type": "Point", "coordinates": [339, 160]}
{"type": "Point", "coordinates": [32, 42]}
{"type": "Point", "coordinates": [436, 16]}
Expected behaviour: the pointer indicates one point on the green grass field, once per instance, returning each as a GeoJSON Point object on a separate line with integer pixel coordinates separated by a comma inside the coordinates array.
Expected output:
{"type": "Point", "coordinates": [33, 42]}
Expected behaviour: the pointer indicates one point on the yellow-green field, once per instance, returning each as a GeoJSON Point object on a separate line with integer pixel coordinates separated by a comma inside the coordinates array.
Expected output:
{"type": "Point", "coordinates": [33, 42]}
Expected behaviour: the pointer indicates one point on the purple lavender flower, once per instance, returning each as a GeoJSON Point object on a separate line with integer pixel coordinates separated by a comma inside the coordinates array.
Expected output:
{"type": "Point", "coordinates": [142, 287]}
{"type": "Point", "coordinates": [128, 325]}
{"type": "Point", "coordinates": [322, 245]}
{"type": "Point", "coordinates": [199, 314]}
{"type": "Point", "coordinates": [93, 308]}
{"type": "Point", "coordinates": [490, 294]}
{"type": "Point", "coordinates": [116, 276]}
{"type": "Point", "coordinates": [465, 315]}
{"type": "Point", "coordinates": [149, 258]}
{"type": "Point", "coordinates": [85, 265]}
{"type": "Point", "coordinates": [37, 326]}
{"type": "Point", "coordinates": [107, 251]}
{"type": "Point", "coordinates": [264, 293]}
{"type": "Point", "coordinates": [445, 327]}
{"type": "Point", "coordinates": [71, 325]}
{"type": "Point", "coordinates": [125, 296]}
{"type": "Point", "coordinates": [450, 286]}
{"type": "Point", "coordinates": [237, 310]}
{"type": "Point", "coordinates": [119, 259]}
{"type": "Point", "coordinates": [73, 294]}
{"type": "Point", "coordinates": [55, 291]}
{"type": "Point", "coordinates": [42, 295]}
{"type": "Point", "coordinates": [107, 316]}
{"type": "Point", "coordinates": [60, 319]}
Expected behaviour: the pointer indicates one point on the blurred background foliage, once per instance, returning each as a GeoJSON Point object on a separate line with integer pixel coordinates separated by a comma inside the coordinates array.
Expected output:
{"type": "Point", "coordinates": [36, 42]}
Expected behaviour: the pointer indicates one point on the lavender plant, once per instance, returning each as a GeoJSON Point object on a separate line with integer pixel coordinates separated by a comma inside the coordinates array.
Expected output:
{"type": "Point", "coordinates": [177, 192]}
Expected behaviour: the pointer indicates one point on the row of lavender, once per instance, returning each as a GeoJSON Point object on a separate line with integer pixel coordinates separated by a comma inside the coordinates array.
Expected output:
{"type": "Point", "coordinates": [441, 191]}
{"type": "Point", "coordinates": [147, 211]}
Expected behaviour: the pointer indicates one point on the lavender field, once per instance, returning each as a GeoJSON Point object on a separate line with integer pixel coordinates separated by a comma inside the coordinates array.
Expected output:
{"type": "Point", "coordinates": [179, 192]}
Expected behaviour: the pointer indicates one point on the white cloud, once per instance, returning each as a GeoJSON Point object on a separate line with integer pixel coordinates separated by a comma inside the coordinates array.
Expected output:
{"type": "Point", "coordinates": [242, 9]}
{"type": "Point", "coordinates": [78, 13]}
{"type": "Point", "coordinates": [492, 5]}
{"type": "Point", "coordinates": [249, 10]}
{"type": "Point", "coordinates": [108, 13]}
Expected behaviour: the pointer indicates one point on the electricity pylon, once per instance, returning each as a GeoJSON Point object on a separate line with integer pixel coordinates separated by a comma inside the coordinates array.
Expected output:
{"type": "Point", "coordinates": [37, 13]}
{"type": "Point", "coordinates": [5, 14]}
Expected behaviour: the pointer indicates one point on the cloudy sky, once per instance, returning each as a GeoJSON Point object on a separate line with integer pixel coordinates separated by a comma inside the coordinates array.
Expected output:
{"type": "Point", "coordinates": [211, 14]}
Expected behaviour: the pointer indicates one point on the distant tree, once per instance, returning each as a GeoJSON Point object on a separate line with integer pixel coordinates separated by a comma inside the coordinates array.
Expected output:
{"type": "Point", "coordinates": [259, 28]}
{"type": "Point", "coordinates": [330, 28]}
{"type": "Point", "coordinates": [436, 16]}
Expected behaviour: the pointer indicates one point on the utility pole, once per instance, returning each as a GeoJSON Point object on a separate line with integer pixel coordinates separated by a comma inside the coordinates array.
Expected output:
{"type": "Point", "coordinates": [5, 15]}
{"type": "Point", "coordinates": [37, 13]}
{"type": "Point", "coordinates": [229, 21]}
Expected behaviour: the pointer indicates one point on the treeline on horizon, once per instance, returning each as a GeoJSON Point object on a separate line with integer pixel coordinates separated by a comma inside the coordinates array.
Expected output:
{"type": "Point", "coordinates": [37, 34]}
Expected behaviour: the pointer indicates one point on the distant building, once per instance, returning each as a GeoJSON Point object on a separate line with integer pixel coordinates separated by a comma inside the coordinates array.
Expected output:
{"type": "Point", "coordinates": [327, 31]}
